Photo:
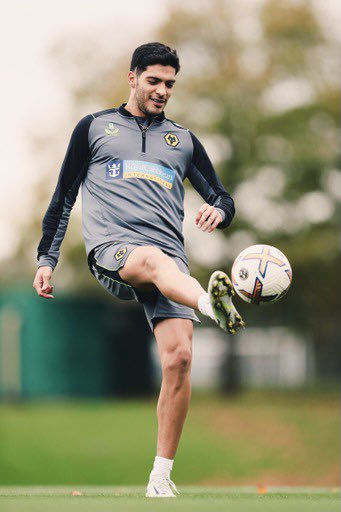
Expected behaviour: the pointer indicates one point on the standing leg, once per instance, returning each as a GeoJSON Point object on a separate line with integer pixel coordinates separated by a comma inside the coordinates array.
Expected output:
{"type": "Point", "coordinates": [174, 339]}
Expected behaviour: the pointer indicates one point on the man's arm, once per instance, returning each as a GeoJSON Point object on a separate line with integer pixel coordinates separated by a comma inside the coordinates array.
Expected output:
{"type": "Point", "coordinates": [56, 219]}
{"type": "Point", "coordinates": [72, 172]}
{"type": "Point", "coordinates": [204, 179]}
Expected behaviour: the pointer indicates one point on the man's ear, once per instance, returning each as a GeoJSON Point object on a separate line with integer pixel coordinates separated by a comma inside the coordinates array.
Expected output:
{"type": "Point", "coordinates": [132, 79]}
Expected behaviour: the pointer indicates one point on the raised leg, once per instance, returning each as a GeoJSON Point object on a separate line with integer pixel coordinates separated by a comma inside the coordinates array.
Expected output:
{"type": "Point", "coordinates": [148, 267]}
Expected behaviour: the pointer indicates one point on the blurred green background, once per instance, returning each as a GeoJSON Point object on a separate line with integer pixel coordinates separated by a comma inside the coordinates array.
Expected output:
{"type": "Point", "coordinates": [259, 85]}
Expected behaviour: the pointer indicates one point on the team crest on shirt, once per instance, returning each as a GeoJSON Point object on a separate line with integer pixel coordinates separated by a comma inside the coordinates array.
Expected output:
{"type": "Point", "coordinates": [172, 139]}
{"type": "Point", "coordinates": [111, 129]}
{"type": "Point", "coordinates": [120, 253]}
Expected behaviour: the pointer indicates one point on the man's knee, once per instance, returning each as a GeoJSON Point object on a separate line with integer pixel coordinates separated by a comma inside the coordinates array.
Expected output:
{"type": "Point", "coordinates": [178, 361]}
{"type": "Point", "coordinates": [177, 358]}
{"type": "Point", "coordinates": [153, 259]}
{"type": "Point", "coordinates": [174, 337]}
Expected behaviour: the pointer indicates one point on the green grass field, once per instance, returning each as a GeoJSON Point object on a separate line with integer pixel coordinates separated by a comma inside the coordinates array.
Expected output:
{"type": "Point", "coordinates": [131, 499]}
{"type": "Point", "coordinates": [272, 438]}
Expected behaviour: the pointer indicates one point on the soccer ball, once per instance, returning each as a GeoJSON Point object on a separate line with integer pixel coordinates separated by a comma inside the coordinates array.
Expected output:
{"type": "Point", "coordinates": [261, 273]}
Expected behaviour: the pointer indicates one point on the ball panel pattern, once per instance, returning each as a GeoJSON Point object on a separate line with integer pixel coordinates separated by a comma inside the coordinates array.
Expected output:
{"type": "Point", "coordinates": [261, 273]}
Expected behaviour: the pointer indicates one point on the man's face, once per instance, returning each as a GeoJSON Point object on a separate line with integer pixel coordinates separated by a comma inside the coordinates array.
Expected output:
{"type": "Point", "coordinates": [153, 88]}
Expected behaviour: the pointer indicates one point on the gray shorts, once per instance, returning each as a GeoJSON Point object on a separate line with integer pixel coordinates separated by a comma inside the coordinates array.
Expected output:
{"type": "Point", "coordinates": [105, 261]}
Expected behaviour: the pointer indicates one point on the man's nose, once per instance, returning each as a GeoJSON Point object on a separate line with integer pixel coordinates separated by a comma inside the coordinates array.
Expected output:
{"type": "Point", "coordinates": [161, 89]}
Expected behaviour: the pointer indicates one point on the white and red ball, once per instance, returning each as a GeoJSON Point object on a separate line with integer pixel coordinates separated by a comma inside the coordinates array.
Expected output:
{"type": "Point", "coordinates": [261, 273]}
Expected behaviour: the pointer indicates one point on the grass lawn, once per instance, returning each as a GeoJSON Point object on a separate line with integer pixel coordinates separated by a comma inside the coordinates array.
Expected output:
{"type": "Point", "coordinates": [269, 438]}
{"type": "Point", "coordinates": [131, 499]}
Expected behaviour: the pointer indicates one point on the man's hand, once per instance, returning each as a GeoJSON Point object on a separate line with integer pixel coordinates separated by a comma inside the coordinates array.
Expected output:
{"type": "Point", "coordinates": [208, 218]}
{"type": "Point", "coordinates": [42, 284]}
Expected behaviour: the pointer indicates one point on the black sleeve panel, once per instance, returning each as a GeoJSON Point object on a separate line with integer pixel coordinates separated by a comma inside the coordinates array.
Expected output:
{"type": "Point", "coordinates": [204, 179]}
{"type": "Point", "coordinates": [72, 172]}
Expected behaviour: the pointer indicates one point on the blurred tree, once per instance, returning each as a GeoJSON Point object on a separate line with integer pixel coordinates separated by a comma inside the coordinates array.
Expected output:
{"type": "Point", "coordinates": [258, 85]}
{"type": "Point", "coordinates": [265, 82]}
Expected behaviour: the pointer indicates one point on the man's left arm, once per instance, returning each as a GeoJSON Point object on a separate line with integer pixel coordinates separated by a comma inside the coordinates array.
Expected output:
{"type": "Point", "coordinates": [218, 211]}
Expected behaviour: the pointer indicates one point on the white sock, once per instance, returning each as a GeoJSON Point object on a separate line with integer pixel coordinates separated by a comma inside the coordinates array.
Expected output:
{"type": "Point", "coordinates": [204, 305]}
{"type": "Point", "coordinates": [162, 466]}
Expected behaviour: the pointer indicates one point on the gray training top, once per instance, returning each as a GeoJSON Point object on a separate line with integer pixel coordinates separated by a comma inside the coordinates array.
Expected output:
{"type": "Point", "coordinates": [132, 184]}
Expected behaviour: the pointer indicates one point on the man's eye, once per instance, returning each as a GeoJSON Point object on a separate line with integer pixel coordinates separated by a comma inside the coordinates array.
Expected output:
{"type": "Point", "coordinates": [170, 86]}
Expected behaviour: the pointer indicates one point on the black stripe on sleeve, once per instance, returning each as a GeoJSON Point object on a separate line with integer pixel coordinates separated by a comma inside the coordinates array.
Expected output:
{"type": "Point", "coordinates": [207, 183]}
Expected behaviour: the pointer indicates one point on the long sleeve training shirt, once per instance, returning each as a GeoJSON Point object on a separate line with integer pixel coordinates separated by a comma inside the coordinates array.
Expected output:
{"type": "Point", "coordinates": [131, 177]}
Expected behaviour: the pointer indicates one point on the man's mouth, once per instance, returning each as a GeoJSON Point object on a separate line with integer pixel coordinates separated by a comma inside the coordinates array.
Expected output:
{"type": "Point", "coordinates": [158, 102]}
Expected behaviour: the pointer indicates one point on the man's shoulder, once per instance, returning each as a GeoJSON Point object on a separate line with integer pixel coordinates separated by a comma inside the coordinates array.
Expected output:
{"type": "Point", "coordinates": [104, 112]}
{"type": "Point", "coordinates": [82, 128]}
{"type": "Point", "coordinates": [84, 124]}
{"type": "Point", "coordinates": [177, 125]}
{"type": "Point", "coordinates": [90, 117]}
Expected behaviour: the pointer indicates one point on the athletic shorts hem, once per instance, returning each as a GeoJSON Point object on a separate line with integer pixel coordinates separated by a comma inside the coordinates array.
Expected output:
{"type": "Point", "coordinates": [186, 317]}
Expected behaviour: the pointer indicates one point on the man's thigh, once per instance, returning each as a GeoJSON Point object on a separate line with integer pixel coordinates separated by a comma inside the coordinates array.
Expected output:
{"type": "Point", "coordinates": [107, 259]}
{"type": "Point", "coordinates": [110, 260]}
{"type": "Point", "coordinates": [135, 270]}
{"type": "Point", "coordinates": [158, 307]}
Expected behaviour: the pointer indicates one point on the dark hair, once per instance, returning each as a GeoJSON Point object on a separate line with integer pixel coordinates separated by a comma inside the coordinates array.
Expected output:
{"type": "Point", "coordinates": [154, 53]}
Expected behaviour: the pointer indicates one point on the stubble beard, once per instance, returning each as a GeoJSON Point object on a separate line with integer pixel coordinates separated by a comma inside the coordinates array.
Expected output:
{"type": "Point", "coordinates": [141, 103]}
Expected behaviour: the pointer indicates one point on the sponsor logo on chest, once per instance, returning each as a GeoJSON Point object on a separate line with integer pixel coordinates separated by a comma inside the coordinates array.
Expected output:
{"type": "Point", "coordinates": [125, 169]}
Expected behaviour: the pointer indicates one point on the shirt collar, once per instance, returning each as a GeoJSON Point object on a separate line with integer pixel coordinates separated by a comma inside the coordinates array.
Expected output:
{"type": "Point", "coordinates": [122, 110]}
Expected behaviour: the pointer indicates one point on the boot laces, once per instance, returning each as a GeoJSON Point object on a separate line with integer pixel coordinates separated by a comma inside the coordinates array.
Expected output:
{"type": "Point", "coordinates": [165, 484]}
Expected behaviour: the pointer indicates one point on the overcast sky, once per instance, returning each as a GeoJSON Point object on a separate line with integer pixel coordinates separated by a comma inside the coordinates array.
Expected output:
{"type": "Point", "coordinates": [32, 93]}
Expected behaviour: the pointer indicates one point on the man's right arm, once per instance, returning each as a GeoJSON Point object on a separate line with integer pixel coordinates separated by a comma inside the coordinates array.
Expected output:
{"type": "Point", "coordinates": [72, 172]}
{"type": "Point", "coordinates": [55, 222]}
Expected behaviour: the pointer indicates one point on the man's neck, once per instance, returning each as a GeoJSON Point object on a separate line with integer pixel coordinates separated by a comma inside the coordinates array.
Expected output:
{"type": "Point", "coordinates": [134, 109]}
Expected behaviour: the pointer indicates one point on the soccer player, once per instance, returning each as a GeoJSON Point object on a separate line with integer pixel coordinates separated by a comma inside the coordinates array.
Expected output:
{"type": "Point", "coordinates": [131, 162]}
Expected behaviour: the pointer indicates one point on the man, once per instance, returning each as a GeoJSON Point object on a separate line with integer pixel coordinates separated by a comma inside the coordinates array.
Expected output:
{"type": "Point", "coordinates": [131, 162]}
